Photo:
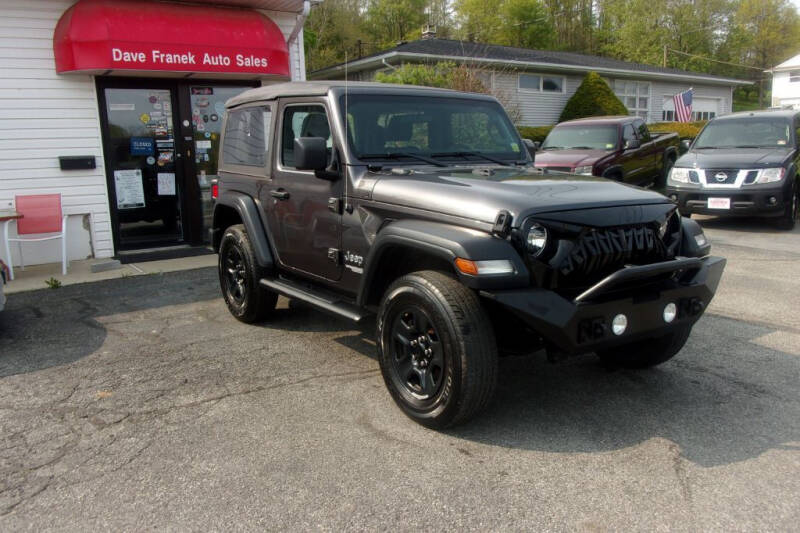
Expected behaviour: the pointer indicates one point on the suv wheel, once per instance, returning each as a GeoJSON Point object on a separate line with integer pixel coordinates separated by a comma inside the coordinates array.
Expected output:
{"type": "Point", "coordinates": [239, 275]}
{"type": "Point", "coordinates": [789, 218]}
{"type": "Point", "coordinates": [436, 349]}
{"type": "Point", "coordinates": [648, 352]}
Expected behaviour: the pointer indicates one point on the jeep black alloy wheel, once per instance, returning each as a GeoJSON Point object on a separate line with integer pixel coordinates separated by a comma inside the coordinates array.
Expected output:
{"type": "Point", "coordinates": [239, 276]}
{"type": "Point", "coordinates": [436, 349]}
{"type": "Point", "coordinates": [417, 353]}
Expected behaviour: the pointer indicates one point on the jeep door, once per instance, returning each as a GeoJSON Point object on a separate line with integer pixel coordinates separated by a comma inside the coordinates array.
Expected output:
{"type": "Point", "coordinates": [305, 230]}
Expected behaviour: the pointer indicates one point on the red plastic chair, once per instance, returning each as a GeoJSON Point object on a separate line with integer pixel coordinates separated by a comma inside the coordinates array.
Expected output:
{"type": "Point", "coordinates": [41, 215]}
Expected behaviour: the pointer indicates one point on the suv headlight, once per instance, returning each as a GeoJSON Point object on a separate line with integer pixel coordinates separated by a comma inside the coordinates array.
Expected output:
{"type": "Point", "coordinates": [678, 175]}
{"type": "Point", "coordinates": [536, 241]}
{"type": "Point", "coordinates": [586, 170]}
{"type": "Point", "coordinates": [771, 175]}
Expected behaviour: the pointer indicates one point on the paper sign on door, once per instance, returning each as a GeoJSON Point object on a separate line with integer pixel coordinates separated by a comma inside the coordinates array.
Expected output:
{"type": "Point", "coordinates": [129, 188]}
{"type": "Point", "coordinates": [166, 184]}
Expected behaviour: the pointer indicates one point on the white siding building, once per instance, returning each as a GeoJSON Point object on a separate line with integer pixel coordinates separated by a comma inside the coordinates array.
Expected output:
{"type": "Point", "coordinates": [535, 85]}
{"type": "Point", "coordinates": [786, 83]}
{"type": "Point", "coordinates": [53, 106]}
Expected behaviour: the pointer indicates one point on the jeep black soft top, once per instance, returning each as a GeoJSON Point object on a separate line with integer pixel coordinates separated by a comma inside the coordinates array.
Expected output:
{"type": "Point", "coordinates": [422, 207]}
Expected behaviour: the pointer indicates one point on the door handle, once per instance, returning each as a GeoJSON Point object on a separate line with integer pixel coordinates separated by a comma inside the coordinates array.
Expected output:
{"type": "Point", "coordinates": [280, 194]}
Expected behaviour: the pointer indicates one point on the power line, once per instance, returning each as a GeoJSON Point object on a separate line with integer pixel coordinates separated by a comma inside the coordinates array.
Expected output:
{"type": "Point", "coordinates": [714, 60]}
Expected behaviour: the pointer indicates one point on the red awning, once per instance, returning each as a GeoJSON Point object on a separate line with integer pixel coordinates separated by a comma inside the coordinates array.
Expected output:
{"type": "Point", "coordinates": [98, 36]}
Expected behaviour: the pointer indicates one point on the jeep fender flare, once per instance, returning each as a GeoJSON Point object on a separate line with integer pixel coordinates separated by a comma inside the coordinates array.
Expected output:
{"type": "Point", "coordinates": [246, 207]}
{"type": "Point", "coordinates": [445, 242]}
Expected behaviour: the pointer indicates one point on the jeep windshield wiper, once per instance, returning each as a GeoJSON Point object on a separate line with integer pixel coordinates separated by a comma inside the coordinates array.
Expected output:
{"type": "Point", "coordinates": [398, 155]}
{"type": "Point", "coordinates": [473, 154]}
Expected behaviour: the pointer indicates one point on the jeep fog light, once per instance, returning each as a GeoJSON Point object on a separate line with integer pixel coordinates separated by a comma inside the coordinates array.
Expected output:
{"type": "Point", "coordinates": [619, 324]}
{"type": "Point", "coordinates": [537, 239]}
{"type": "Point", "coordinates": [670, 312]}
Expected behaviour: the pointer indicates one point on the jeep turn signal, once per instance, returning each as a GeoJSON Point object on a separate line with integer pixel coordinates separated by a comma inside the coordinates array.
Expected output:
{"type": "Point", "coordinates": [474, 268]}
{"type": "Point", "coordinates": [466, 266]}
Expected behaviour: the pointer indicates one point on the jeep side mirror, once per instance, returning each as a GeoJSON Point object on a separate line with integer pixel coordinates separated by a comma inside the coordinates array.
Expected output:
{"type": "Point", "coordinates": [310, 153]}
{"type": "Point", "coordinates": [632, 144]}
{"type": "Point", "coordinates": [685, 144]}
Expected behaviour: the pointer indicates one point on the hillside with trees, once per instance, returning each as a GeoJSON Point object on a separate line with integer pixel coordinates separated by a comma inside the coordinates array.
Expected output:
{"type": "Point", "coordinates": [733, 38]}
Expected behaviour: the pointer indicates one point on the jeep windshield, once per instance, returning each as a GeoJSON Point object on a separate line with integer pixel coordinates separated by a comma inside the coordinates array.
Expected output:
{"type": "Point", "coordinates": [745, 132]}
{"type": "Point", "coordinates": [599, 137]}
{"type": "Point", "coordinates": [414, 129]}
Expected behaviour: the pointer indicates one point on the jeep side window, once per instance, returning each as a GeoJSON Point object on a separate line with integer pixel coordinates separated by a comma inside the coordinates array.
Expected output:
{"type": "Point", "coordinates": [627, 134]}
{"type": "Point", "coordinates": [247, 137]}
{"type": "Point", "coordinates": [303, 121]}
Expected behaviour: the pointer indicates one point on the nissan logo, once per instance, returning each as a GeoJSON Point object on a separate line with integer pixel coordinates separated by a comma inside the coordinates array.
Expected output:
{"type": "Point", "coordinates": [720, 176]}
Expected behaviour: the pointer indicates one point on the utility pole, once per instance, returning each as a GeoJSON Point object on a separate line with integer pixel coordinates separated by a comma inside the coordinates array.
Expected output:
{"type": "Point", "coordinates": [664, 61]}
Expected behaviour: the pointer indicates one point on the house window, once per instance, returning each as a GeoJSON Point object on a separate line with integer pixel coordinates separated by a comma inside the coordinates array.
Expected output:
{"type": "Point", "coordinates": [794, 76]}
{"type": "Point", "coordinates": [635, 95]}
{"type": "Point", "coordinates": [703, 115]}
{"type": "Point", "coordinates": [540, 83]}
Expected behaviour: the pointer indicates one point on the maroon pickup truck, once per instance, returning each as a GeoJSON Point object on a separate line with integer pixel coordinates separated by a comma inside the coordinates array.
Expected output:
{"type": "Point", "coordinates": [619, 148]}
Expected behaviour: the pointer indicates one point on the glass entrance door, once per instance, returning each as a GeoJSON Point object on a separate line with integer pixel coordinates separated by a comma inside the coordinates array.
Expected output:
{"type": "Point", "coordinates": [144, 167]}
{"type": "Point", "coordinates": [208, 108]}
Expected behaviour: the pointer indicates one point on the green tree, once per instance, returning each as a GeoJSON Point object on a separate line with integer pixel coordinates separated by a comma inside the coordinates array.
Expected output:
{"type": "Point", "coordinates": [521, 23]}
{"type": "Point", "coordinates": [592, 99]}
{"type": "Point", "coordinates": [391, 21]}
{"type": "Point", "coordinates": [332, 31]}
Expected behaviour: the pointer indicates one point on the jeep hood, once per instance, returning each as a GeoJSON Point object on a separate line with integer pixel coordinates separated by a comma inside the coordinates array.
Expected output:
{"type": "Point", "coordinates": [568, 158]}
{"type": "Point", "coordinates": [734, 157]}
{"type": "Point", "coordinates": [470, 193]}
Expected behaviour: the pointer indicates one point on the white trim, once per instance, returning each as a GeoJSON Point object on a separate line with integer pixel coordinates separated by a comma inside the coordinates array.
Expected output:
{"type": "Point", "coordinates": [365, 62]}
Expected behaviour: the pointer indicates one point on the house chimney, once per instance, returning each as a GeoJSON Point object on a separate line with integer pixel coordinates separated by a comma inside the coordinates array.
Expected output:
{"type": "Point", "coordinates": [429, 32]}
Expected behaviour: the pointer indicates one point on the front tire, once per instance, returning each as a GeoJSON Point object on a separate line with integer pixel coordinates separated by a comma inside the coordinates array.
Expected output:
{"type": "Point", "coordinates": [239, 276]}
{"type": "Point", "coordinates": [436, 349]}
{"type": "Point", "coordinates": [789, 218]}
{"type": "Point", "coordinates": [648, 352]}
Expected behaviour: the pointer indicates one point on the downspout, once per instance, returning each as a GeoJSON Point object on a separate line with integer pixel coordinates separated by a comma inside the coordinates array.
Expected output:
{"type": "Point", "coordinates": [292, 40]}
{"type": "Point", "coordinates": [386, 63]}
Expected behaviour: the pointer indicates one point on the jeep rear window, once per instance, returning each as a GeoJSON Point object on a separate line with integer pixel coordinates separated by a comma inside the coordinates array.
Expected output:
{"type": "Point", "coordinates": [443, 128]}
{"type": "Point", "coordinates": [246, 137]}
{"type": "Point", "coordinates": [745, 132]}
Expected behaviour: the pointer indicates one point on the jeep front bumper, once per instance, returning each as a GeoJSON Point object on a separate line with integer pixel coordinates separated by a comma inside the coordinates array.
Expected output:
{"type": "Point", "coordinates": [640, 293]}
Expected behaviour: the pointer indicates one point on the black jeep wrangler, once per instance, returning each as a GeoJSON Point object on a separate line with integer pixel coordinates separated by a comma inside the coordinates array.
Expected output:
{"type": "Point", "coordinates": [422, 206]}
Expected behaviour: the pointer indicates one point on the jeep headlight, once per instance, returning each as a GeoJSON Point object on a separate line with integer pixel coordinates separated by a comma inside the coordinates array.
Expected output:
{"type": "Point", "coordinates": [770, 175]}
{"type": "Point", "coordinates": [536, 239]}
{"type": "Point", "coordinates": [586, 170]}
{"type": "Point", "coordinates": [678, 175]}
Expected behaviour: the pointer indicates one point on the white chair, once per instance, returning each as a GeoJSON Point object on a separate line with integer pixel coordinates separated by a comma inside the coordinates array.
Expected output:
{"type": "Point", "coordinates": [42, 218]}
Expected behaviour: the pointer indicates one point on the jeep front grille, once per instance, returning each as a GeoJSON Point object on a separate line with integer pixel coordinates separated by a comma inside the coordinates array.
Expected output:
{"type": "Point", "coordinates": [599, 252]}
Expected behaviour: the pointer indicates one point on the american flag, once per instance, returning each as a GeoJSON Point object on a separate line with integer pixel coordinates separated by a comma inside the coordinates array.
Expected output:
{"type": "Point", "coordinates": [683, 106]}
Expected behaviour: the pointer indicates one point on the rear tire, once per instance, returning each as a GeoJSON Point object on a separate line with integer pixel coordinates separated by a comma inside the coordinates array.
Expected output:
{"type": "Point", "coordinates": [436, 349]}
{"type": "Point", "coordinates": [648, 352]}
{"type": "Point", "coordinates": [239, 276]}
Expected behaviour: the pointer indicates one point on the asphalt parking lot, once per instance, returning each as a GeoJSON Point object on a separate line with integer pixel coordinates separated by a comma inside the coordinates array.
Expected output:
{"type": "Point", "coordinates": [140, 403]}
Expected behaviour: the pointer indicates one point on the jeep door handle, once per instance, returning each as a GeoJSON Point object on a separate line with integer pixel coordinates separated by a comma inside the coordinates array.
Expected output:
{"type": "Point", "coordinates": [280, 194]}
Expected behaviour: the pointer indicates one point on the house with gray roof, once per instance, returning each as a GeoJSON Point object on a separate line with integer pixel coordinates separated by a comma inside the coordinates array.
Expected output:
{"type": "Point", "coordinates": [536, 84]}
